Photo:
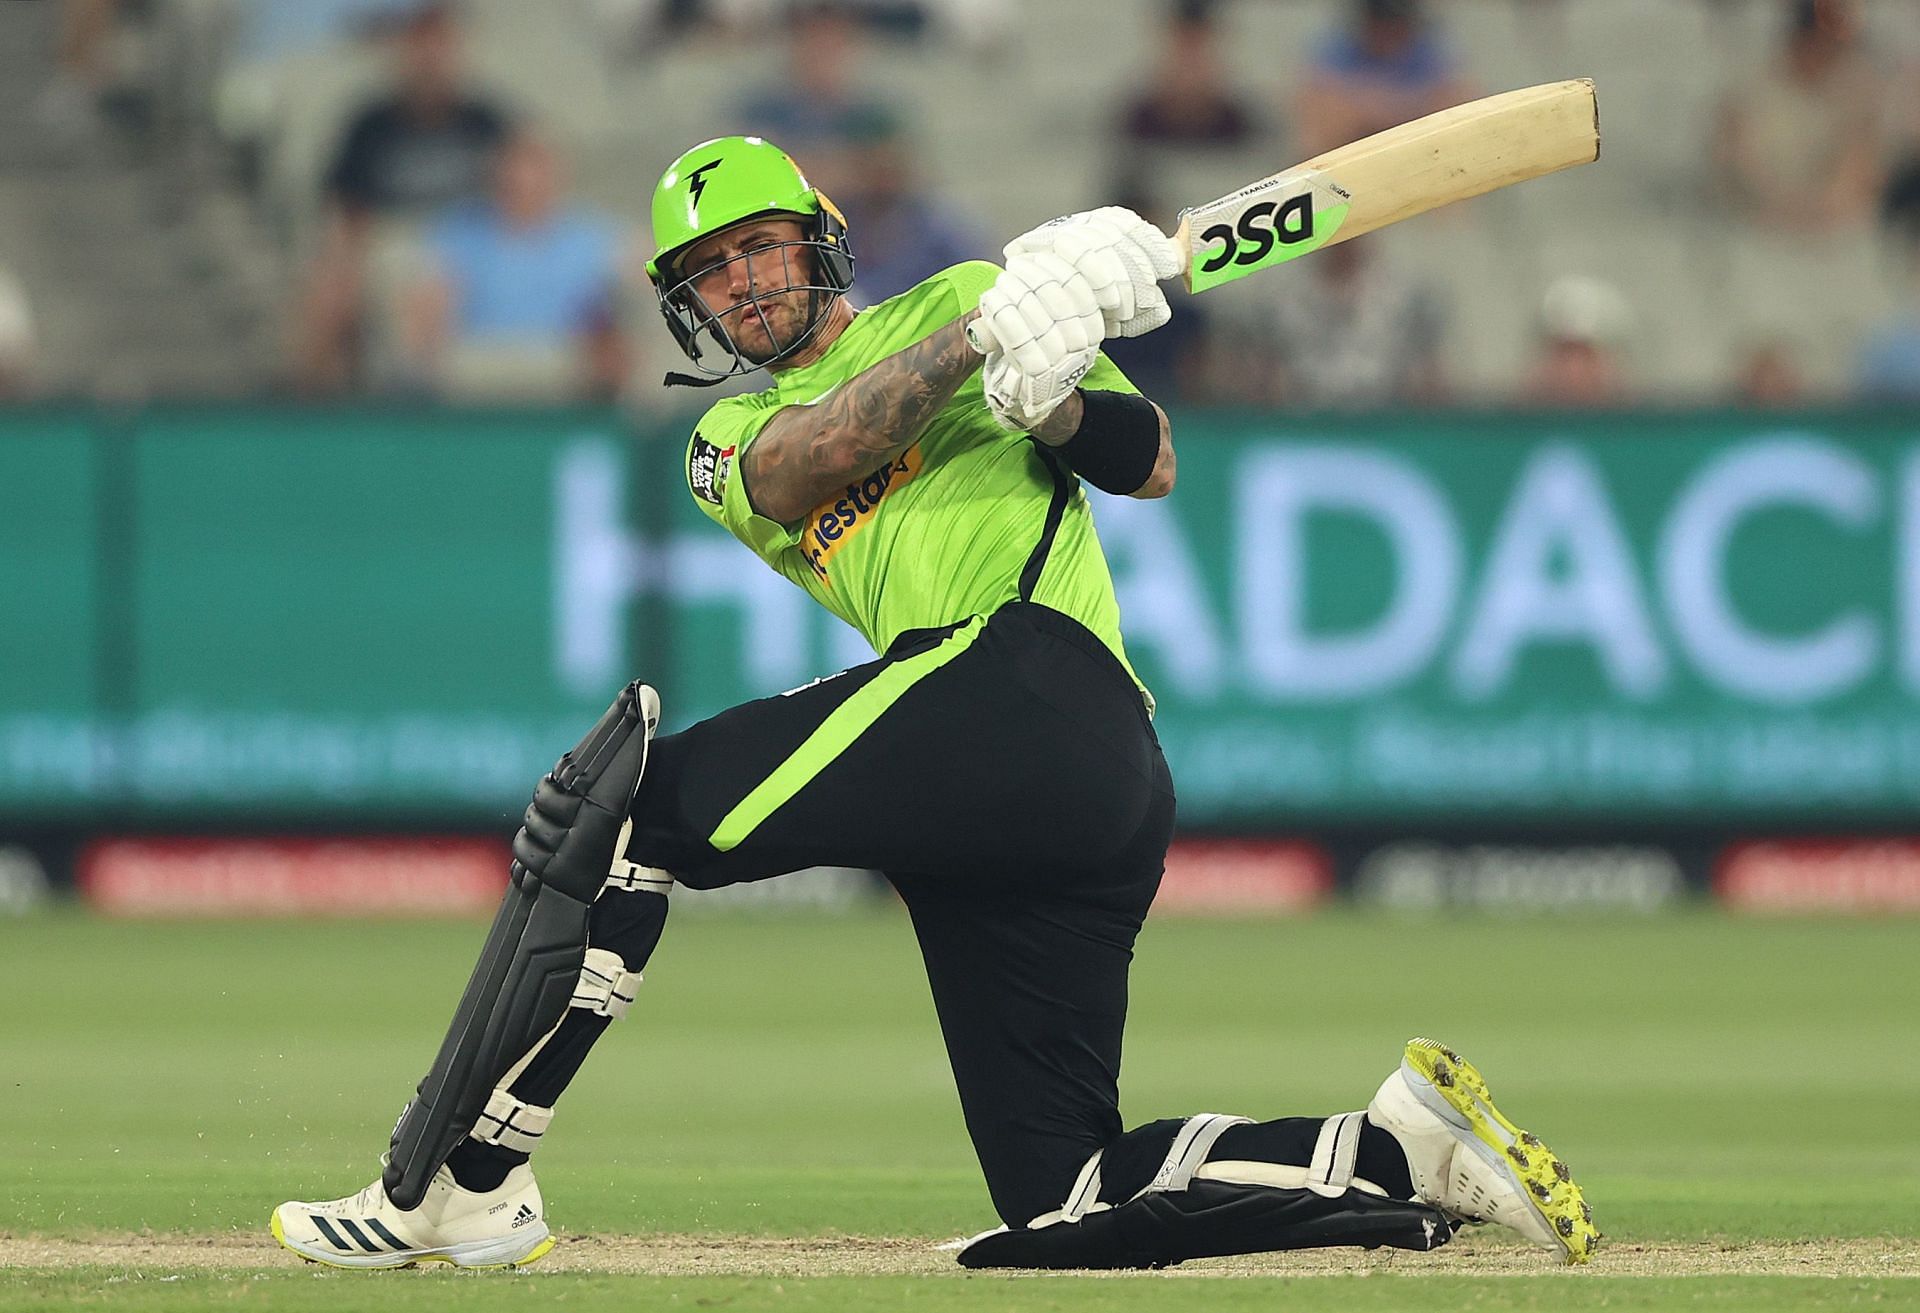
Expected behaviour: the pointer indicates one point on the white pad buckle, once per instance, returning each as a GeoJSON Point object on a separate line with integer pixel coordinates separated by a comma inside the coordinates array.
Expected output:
{"type": "Point", "coordinates": [512, 1123]}
{"type": "Point", "coordinates": [605, 986]}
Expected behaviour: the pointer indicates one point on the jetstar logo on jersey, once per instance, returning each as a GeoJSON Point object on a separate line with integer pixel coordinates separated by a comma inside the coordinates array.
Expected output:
{"type": "Point", "coordinates": [707, 467]}
{"type": "Point", "coordinates": [830, 524]}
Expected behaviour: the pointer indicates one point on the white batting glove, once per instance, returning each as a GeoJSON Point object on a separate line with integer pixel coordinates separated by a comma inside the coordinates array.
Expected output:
{"type": "Point", "coordinates": [1122, 257]}
{"type": "Point", "coordinates": [1039, 313]}
{"type": "Point", "coordinates": [1020, 401]}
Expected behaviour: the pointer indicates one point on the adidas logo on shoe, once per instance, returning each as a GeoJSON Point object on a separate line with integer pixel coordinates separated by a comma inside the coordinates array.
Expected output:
{"type": "Point", "coordinates": [498, 1228]}
{"type": "Point", "coordinates": [381, 1236]}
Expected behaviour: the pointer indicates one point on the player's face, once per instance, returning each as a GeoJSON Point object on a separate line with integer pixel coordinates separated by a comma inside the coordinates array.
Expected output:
{"type": "Point", "coordinates": [743, 276]}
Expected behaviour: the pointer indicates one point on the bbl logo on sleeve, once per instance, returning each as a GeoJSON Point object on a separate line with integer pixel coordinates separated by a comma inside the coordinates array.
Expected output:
{"type": "Point", "coordinates": [707, 469]}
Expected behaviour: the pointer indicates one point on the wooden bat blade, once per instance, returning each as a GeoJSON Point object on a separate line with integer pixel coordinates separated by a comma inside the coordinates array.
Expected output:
{"type": "Point", "coordinates": [1458, 153]}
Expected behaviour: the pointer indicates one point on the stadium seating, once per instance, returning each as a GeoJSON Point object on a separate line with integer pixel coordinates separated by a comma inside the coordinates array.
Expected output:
{"type": "Point", "coordinates": [1646, 220]}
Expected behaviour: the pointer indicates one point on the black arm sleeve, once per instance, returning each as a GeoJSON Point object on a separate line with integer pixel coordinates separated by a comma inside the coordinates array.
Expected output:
{"type": "Point", "coordinates": [1117, 444]}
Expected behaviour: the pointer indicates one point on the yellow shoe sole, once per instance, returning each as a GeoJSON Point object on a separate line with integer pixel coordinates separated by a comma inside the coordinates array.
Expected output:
{"type": "Point", "coordinates": [538, 1252]}
{"type": "Point", "coordinates": [1549, 1184]}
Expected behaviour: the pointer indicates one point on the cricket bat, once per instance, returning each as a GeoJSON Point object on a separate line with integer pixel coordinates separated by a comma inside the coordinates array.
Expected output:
{"type": "Point", "coordinates": [1458, 153]}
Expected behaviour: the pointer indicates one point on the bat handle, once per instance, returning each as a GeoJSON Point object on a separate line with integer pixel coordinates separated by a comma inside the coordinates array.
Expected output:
{"type": "Point", "coordinates": [1183, 243]}
{"type": "Point", "coordinates": [980, 336]}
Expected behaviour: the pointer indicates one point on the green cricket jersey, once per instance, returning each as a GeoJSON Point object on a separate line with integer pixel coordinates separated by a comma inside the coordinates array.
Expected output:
{"type": "Point", "coordinates": [952, 528]}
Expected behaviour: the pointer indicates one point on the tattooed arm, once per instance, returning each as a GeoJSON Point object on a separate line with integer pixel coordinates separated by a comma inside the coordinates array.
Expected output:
{"type": "Point", "coordinates": [806, 453]}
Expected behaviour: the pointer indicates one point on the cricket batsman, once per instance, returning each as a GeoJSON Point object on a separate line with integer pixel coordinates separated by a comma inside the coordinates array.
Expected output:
{"type": "Point", "coordinates": [916, 467]}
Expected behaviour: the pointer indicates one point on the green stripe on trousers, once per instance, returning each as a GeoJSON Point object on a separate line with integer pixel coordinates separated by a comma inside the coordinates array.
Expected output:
{"type": "Point", "coordinates": [832, 736]}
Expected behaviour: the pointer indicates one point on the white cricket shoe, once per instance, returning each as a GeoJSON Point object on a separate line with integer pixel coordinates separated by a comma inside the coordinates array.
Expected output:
{"type": "Point", "coordinates": [498, 1228]}
{"type": "Point", "coordinates": [1469, 1160]}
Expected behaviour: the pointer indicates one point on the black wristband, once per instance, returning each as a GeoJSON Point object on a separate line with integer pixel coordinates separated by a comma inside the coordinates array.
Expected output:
{"type": "Point", "coordinates": [1117, 444]}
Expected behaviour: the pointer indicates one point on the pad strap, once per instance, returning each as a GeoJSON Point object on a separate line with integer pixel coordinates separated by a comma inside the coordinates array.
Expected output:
{"type": "Point", "coordinates": [1084, 1198]}
{"type": "Point", "coordinates": [632, 876]}
{"type": "Point", "coordinates": [1191, 1145]}
{"type": "Point", "coordinates": [1330, 1174]}
{"type": "Point", "coordinates": [605, 986]}
{"type": "Point", "coordinates": [512, 1123]}
{"type": "Point", "coordinates": [1331, 1171]}
{"type": "Point", "coordinates": [1190, 1149]}
{"type": "Point", "coordinates": [1085, 1195]}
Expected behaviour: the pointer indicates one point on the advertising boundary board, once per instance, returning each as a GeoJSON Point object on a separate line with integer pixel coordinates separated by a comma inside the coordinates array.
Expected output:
{"type": "Point", "coordinates": [385, 619]}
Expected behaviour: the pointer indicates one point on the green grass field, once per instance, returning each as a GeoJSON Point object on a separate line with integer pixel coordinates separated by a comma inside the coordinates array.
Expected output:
{"type": "Point", "coordinates": [1737, 1096]}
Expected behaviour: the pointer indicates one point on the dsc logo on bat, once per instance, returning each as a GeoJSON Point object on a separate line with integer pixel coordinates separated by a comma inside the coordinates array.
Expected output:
{"type": "Point", "coordinates": [1261, 226]}
{"type": "Point", "coordinates": [1267, 223]}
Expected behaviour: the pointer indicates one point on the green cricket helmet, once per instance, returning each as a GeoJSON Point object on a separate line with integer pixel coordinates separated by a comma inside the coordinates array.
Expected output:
{"type": "Point", "coordinates": [718, 184]}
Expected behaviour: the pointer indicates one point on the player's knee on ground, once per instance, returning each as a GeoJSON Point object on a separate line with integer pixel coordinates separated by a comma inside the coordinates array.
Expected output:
{"type": "Point", "coordinates": [1161, 1194]}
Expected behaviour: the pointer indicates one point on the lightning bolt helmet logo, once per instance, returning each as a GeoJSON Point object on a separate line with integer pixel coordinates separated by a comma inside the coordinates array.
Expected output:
{"type": "Point", "coordinates": [697, 180]}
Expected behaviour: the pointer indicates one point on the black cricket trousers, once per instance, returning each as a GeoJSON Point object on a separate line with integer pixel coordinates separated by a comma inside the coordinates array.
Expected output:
{"type": "Point", "coordinates": [1004, 775]}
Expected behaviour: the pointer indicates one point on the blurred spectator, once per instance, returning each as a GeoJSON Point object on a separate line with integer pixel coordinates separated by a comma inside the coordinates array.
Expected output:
{"type": "Point", "coordinates": [1171, 133]}
{"type": "Point", "coordinates": [1900, 203]}
{"type": "Point", "coordinates": [1801, 145]}
{"type": "Point", "coordinates": [17, 339]}
{"type": "Point", "coordinates": [426, 143]}
{"type": "Point", "coordinates": [1187, 99]}
{"type": "Point", "coordinates": [815, 115]}
{"type": "Point", "coordinates": [1351, 331]}
{"type": "Point", "coordinates": [1387, 66]}
{"type": "Point", "coordinates": [274, 49]}
{"type": "Point", "coordinates": [978, 24]}
{"type": "Point", "coordinates": [69, 106]}
{"type": "Point", "coordinates": [650, 24]}
{"type": "Point", "coordinates": [524, 289]}
{"type": "Point", "coordinates": [273, 29]}
{"type": "Point", "coordinates": [901, 235]}
{"type": "Point", "coordinates": [1770, 377]}
{"type": "Point", "coordinates": [1889, 366]}
{"type": "Point", "coordinates": [1584, 327]}
{"type": "Point", "coordinates": [904, 19]}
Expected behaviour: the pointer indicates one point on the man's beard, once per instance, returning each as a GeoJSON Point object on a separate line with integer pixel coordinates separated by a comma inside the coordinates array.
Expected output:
{"type": "Point", "coordinates": [775, 343]}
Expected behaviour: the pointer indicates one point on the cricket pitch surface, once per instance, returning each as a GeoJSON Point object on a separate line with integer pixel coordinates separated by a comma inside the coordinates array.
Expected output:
{"type": "Point", "coordinates": [765, 1256]}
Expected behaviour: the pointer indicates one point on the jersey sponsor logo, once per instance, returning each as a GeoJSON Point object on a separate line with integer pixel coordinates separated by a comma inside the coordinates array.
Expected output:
{"type": "Point", "coordinates": [830, 524]}
{"type": "Point", "coordinates": [707, 467]}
